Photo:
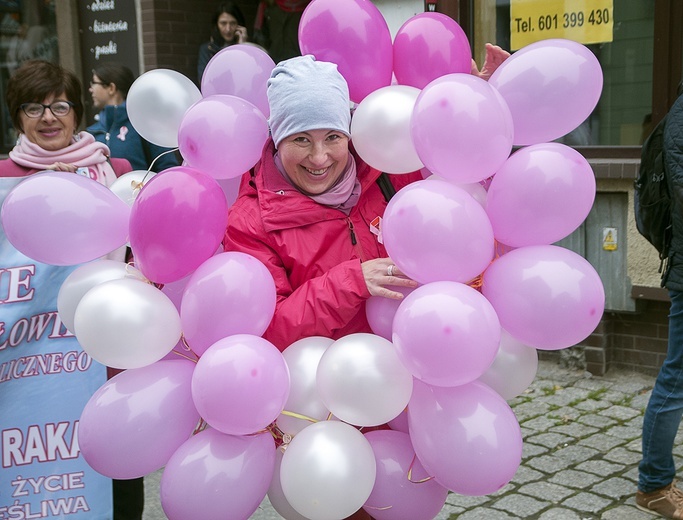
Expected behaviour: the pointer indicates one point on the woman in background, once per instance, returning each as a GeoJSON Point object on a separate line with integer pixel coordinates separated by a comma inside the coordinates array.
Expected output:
{"type": "Point", "coordinates": [228, 28]}
{"type": "Point", "coordinates": [109, 88]}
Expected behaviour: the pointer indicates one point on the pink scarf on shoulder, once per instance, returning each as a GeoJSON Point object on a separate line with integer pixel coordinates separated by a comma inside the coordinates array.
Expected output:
{"type": "Point", "coordinates": [83, 152]}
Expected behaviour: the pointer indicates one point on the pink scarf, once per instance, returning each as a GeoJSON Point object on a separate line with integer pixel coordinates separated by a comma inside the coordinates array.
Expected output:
{"type": "Point", "coordinates": [342, 196]}
{"type": "Point", "coordinates": [83, 152]}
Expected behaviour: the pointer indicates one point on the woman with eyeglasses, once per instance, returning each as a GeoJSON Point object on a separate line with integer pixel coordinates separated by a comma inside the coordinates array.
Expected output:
{"type": "Point", "coordinates": [228, 28]}
{"type": "Point", "coordinates": [109, 88]}
{"type": "Point", "coordinates": [45, 106]}
{"type": "Point", "coordinates": [44, 102]}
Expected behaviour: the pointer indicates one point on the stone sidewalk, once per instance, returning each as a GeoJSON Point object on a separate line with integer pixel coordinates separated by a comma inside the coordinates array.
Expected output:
{"type": "Point", "coordinates": [581, 451]}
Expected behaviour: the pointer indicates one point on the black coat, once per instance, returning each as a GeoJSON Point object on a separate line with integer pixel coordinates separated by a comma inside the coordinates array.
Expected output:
{"type": "Point", "coordinates": [673, 162]}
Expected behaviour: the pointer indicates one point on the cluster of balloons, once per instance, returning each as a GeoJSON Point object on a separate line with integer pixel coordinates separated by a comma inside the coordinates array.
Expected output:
{"type": "Point", "coordinates": [476, 233]}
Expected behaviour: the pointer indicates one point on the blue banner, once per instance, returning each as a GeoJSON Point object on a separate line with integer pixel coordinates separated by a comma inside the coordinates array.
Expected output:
{"type": "Point", "coordinates": [45, 381]}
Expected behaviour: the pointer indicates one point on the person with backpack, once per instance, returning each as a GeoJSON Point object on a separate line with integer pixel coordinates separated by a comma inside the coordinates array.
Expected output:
{"type": "Point", "coordinates": [657, 491]}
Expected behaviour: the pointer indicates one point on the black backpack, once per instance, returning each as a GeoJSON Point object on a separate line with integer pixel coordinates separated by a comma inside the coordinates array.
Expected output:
{"type": "Point", "coordinates": [652, 196]}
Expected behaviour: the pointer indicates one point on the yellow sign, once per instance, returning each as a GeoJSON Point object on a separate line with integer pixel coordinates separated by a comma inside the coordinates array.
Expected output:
{"type": "Point", "coordinates": [609, 239]}
{"type": "Point", "coordinates": [584, 21]}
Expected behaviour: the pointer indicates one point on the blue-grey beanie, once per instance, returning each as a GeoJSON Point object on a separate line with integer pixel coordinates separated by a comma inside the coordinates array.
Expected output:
{"type": "Point", "coordinates": [305, 94]}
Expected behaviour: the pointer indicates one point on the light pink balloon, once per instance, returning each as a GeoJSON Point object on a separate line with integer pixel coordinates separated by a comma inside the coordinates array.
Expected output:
{"type": "Point", "coordinates": [395, 496]}
{"type": "Point", "coordinates": [550, 86]}
{"type": "Point", "coordinates": [446, 333]}
{"type": "Point", "coordinates": [240, 384]}
{"type": "Point", "coordinates": [435, 231]}
{"type": "Point", "coordinates": [240, 70]}
{"type": "Point", "coordinates": [461, 128]}
{"type": "Point", "coordinates": [214, 476]}
{"type": "Point", "coordinates": [59, 218]}
{"type": "Point", "coordinates": [547, 297]}
{"type": "Point", "coordinates": [540, 195]}
{"type": "Point", "coordinates": [428, 46]}
{"type": "Point", "coordinates": [134, 423]}
{"type": "Point", "coordinates": [230, 293]}
{"type": "Point", "coordinates": [466, 436]}
{"type": "Point", "coordinates": [176, 223]}
{"type": "Point", "coordinates": [354, 35]}
{"type": "Point", "coordinates": [380, 311]}
{"type": "Point", "coordinates": [222, 136]}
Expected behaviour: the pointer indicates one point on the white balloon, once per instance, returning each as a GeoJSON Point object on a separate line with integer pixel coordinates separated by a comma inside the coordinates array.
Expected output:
{"type": "Point", "coordinates": [129, 184]}
{"type": "Point", "coordinates": [380, 129]}
{"type": "Point", "coordinates": [157, 101]}
{"type": "Point", "coordinates": [475, 189]}
{"type": "Point", "coordinates": [84, 278]}
{"type": "Point", "coordinates": [513, 369]}
{"type": "Point", "coordinates": [277, 497]}
{"type": "Point", "coordinates": [362, 380]}
{"type": "Point", "coordinates": [328, 471]}
{"type": "Point", "coordinates": [126, 323]}
{"type": "Point", "coordinates": [302, 358]}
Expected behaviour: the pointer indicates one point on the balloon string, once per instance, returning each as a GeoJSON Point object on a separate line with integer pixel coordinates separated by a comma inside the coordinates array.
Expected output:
{"type": "Point", "coordinates": [410, 473]}
{"type": "Point", "coordinates": [200, 427]}
{"type": "Point", "coordinates": [299, 416]}
{"type": "Point", "coordinates": [155, 160]}
{"type": "Point", "coordinates": [186, 347]}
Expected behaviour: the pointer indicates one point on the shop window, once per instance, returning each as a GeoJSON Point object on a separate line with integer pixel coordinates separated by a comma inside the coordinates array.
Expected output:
{"type": "Point", "coordinates": [28, 30]}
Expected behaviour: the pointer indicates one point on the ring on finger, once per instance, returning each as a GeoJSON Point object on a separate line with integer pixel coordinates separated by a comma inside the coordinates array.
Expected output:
{"type": "Point", "coordinates": [390, 270]}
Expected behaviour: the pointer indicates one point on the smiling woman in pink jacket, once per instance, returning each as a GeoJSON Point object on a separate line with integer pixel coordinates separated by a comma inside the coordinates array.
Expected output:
{"type": "Point", "coordinates": [311, 209]}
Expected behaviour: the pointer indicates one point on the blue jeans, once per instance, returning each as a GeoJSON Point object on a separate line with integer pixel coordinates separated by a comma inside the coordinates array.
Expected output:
{"type": "Point", "coordinates": [665, 408]}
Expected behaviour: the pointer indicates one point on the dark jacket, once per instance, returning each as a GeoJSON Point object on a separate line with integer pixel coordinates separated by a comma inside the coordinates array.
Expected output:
{"type": "Point", "coordinates": [114, 129]}
{"type": "Point", "coordinates": [673, 162]}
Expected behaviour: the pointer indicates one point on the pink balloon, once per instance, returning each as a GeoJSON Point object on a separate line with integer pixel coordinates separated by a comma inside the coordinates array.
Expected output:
{"type": "Point", "coordinates": [466, 436]}
{"type": "Point", "coordinates": [380, 311]}
{"type": "Point", "coordinates": [240, 384]}
{"type": "Point", "coordinates": [231, 188]}
{"type": "Point", "coordinates": [540, 195]}
{"type": "Point", "coordinates": [446, 333]}
{"type": "Point", "coordinates": [134, 423]}
{"type": "Point", "coordinates": [59, 218]}
{"type": "Point", "coordinates": [395, 496]}
{"type": "Point", "coordinates": [547, 297]}
{"type": "Point", "coordinates": [222, 136]}
{"type": "Point", "coordinates": [461, 128]}
{"type": "Point", "coordinates": [400, 423]}
{"type": "Point", "coordinates": [231, 293]}
{"type": "Point", "coordinates": [214, 476]}
{"type": "Point", "coordinates": [354, 35]}
{"type": "Point", "coordinates": [176, 223]}
{"type": "Point", "coordinates": [240, 70]}
{"type": "Point", "coordinates": [435, 231]}
{"type": "Point", "coordinates": [428, 46]}
{"type": "Point", "coordinates": [550, 86]}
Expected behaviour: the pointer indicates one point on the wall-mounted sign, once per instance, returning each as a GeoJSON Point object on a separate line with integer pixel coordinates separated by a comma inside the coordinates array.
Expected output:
{"type": "Point", "coordinates": [108, 30]}
{"type": "Point", "coordinates": [584, 21]}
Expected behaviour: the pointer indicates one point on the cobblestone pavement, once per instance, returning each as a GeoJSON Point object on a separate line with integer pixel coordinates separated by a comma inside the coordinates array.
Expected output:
{"type": "Point", "coordinates": [581, 452]}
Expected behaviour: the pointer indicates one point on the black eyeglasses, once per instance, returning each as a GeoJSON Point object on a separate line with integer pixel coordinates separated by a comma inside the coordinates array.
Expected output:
{"type": "Point", "coordinates": [36, 110]}
{"type": "Point", "coordinates": [98, 83]}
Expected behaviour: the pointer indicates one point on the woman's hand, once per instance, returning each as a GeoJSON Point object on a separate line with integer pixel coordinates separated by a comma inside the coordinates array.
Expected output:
{"type": "Point", "coordinates": [241, 34]}
{"type": "Point", "coordinates": [382, 272]}
{"type": "Point", "coordinates": [495, 55]}
{"type": "Point", "coordinates": [62, 167]}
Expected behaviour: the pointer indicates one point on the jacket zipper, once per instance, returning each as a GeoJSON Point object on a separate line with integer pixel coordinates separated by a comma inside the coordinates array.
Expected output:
{"type": "Point", "coordinates": [354, 240]}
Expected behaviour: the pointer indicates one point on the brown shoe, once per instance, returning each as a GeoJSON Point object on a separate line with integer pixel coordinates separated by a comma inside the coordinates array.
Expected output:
{"type": "Point", "coordinates": [666, 502]}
